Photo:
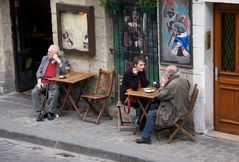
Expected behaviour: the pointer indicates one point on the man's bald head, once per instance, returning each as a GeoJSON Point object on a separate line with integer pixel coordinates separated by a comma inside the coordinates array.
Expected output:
{"type": "Point", "coordinates": [171, 70]}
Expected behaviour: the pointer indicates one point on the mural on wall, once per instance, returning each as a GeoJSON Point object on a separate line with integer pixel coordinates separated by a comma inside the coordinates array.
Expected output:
{"type": "Point", "coordinates": [133, 36]}
{"type": "Point", "coordinates": [135, 33]}
{"type": "Point", "coordinates": [74, 31]}
{"type": "Point", "coordinates": [176, 33]}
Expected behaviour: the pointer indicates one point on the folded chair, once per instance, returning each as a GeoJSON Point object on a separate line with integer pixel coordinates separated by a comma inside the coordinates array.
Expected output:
{"type": "Point", "coordinates": [100, 96]}
{"type": "Point", "coordinates": [180, 124]}
{"type": "Point", "coordinates": [124, 121]}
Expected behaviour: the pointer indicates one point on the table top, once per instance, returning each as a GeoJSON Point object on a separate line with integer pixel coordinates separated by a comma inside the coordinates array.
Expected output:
{"type": "Point", "coordinates": [140, 93]}
{"type": "Point", "coordinates": [73, 77]}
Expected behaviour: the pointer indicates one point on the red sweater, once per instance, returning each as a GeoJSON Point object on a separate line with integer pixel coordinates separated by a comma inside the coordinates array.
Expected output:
{"type": "Point", "coordinates": [50, 72]}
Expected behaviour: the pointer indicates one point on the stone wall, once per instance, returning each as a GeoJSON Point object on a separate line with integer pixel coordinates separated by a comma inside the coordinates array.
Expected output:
{"type": "Point", "coordinates": [7, 77]}
{"type": "Point", "coordinates": [103, 38]}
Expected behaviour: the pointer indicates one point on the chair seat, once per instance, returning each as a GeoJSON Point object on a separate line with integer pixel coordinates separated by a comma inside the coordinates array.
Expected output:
{"type": "Point", "coordinates": [95, 96]}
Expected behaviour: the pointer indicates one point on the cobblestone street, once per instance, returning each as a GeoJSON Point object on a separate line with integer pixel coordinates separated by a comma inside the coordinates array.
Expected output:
{"type": "Point", "coordinates": [19, 151]}
{"type": "Point", "coordinates": [17, 121]}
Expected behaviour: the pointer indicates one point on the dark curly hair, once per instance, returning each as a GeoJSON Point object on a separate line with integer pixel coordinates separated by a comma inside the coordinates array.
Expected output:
{"type": "Point", "coordinates": [138, 58]}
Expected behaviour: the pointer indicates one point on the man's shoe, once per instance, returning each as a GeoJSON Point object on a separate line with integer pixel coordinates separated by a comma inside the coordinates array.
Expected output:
{"type": "Point", "coordinates": [143, 140]}
{"type": "Point", "coordinates": [50, 116]}
{"type": "Point", "coordinates": [45, 115]}
{"type": "Point", "coordinates": [40, 116]}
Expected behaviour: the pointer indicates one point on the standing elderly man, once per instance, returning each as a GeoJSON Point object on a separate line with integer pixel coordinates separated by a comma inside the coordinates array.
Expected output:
{"type": "Point", "coordinates": [51, 65]}
{"type": "Point", "coordinates": [174, 101]}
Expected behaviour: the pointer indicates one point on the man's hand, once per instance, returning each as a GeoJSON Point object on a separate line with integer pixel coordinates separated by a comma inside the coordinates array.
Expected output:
{"type": "Point", "coordinates": [164, 80]}
{"type": "Point", "coordinates": [55, 57]}
{"type": "Point", "coordinates": [39, 83]}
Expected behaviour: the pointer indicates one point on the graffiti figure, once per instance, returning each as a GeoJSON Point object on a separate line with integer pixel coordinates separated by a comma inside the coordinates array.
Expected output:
{"type": "Point", "coordinates": [133, 34]}
{"type": "Point", "coordinates": [67, 38]}
{"type": "Point", "coordinates": [177, 24]}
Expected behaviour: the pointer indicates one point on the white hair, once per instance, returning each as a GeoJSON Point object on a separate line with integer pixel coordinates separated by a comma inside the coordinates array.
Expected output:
{"type": "Point", "coordinates": [172, 70]}
{"type": "Point", "coordinates": [55, 48]}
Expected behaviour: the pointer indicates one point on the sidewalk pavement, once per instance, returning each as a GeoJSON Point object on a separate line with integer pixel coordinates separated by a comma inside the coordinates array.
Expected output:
{"type": "Point", "coordinates": [18, 121]}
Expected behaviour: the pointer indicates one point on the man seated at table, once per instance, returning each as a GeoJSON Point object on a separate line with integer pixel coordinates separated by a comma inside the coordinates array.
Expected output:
{"type": "Point", "coordinates": [133, 79]}
{"type": "Point", "coordinates": [174, 101]}
{"type": "Point", "coordinates": [51, 65]}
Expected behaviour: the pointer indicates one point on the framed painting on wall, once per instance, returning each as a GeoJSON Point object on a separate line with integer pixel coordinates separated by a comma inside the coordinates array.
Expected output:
{"type": "Point", "coordinates": [76, 29]}
{"type": "Point", "coordinates": [176, 33]}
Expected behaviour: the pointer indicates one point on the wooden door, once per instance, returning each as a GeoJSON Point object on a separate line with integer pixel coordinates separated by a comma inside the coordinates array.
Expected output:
{"type": "Point", "coordinates": [32, 35]}
{"type": "Point", "coordinates": [24, 75]}
{"type": "Point", "coordinates": [226, 65]}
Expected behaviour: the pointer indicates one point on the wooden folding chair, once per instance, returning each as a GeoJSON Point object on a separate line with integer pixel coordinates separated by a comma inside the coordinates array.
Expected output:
{"type": "Point", "coordinates": [180, 124]}
{"type": "Point", "coordinates": [124, 121]}
{"type": "Point", "coordinates": [100, 96]}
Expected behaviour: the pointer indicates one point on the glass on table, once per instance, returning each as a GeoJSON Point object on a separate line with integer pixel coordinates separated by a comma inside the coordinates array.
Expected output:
{"type": "Point", "coordinates": [68, 70]}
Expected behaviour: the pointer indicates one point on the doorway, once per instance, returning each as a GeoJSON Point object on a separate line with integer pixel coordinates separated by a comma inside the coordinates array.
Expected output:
{"type": "Point", "coordinates": [32, 35]}
{"type": "Point", "coordinates": [226, 65]}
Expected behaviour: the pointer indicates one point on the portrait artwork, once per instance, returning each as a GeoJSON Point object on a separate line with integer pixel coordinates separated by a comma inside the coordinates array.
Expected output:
{"type": "Point", "coordinates": [176, 44]}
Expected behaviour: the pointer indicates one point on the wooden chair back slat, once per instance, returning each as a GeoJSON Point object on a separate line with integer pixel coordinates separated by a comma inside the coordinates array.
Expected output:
{"type": "Point", "coordinates": [105, 82]}
{"type": "Point", "coordinates": [193, 99]}
{"type": "Point", "coordinates": [101, 95]}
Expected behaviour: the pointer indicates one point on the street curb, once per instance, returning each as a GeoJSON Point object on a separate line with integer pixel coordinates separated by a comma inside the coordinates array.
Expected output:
{"type": "Point", "coordinates": [69, 147]}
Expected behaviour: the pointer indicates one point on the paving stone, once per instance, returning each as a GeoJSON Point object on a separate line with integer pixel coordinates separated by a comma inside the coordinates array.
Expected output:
{"type": "Point", "coordinates": [18, 121]}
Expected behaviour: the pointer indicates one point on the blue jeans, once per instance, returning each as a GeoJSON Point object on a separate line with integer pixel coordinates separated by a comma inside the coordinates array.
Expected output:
{"type": "Point", "coordinates": [150, 124]}
{"type": "Point", "coordinates": [52, 100]}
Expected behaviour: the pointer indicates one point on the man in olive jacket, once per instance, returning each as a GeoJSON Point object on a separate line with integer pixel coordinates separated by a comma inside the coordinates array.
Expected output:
{"type": "Point", "coordinates": [174, 101]}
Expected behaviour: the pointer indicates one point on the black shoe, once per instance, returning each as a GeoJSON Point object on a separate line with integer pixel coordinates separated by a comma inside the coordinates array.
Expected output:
{"type": "Point", "coordinates": [50, 116]}
{"type": "Point", "coordinates": [40, 116]}
{"type": "Point", "coordinates": [143, 140]}
{"type": "Point", "coordinates": [45, 115]}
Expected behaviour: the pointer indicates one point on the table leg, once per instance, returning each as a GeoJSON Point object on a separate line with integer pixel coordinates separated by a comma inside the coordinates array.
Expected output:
{"type": "Point", "coordinates": [75, 107]}
{"type": "Point", "coordinates": [81, 85]}
{"type": "Point", "coordinates": [67, 91]}
{"type": "Point", "coordinates": [144, 109]}
{"type": "Point", "coordinates": [68, 95]}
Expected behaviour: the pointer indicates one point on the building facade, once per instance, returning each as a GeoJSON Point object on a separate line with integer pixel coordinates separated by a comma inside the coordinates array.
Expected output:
{"type": "Point", "coordinates": [213, 65]}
